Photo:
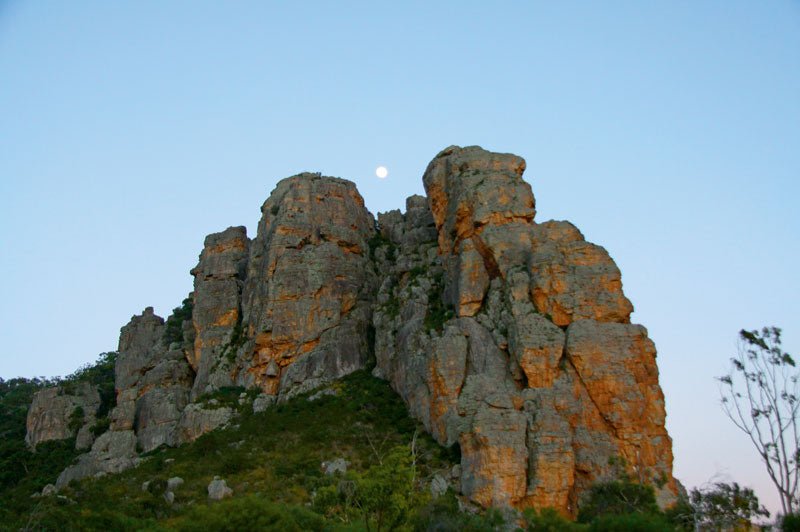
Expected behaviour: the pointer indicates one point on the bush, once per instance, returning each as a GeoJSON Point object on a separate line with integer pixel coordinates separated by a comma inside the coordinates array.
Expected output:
{"type": "Point", "coordinates": [632, 522]}
{"type": "Point", "coordinates": [174, 330]}
{"type": "Point", "coordinates": [248, 513]}
{"type": "Point", "coordinates": [790, 523]}
{"type": "Point", "coordinates": [549, 520]}
{"type": "Point", "coordinates": [443, 515]}
{"type": "Point", "coordinates": [618, 497]}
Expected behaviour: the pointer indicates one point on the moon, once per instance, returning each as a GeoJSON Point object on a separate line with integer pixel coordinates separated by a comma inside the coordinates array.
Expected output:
{"type": "Point", "coordinates": [381, 172]}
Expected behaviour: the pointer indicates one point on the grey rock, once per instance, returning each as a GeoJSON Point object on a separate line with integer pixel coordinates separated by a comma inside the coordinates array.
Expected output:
{"type": "Point", "coordinates": [262, 402]}
{"type": "Point", "coordinates": [112, 452]}
{"type": "Point", "coordinates": [439, 486]}
{"type": "Point", "coordinates": [174, 483]}
{"type": "Point", "coordinates": [322, 393]}
{"type": "Point", "coordinates": [196, 421]}
{"type": "Point", "coordinates": [53, 409]}
{"type": "Point", "coordinates": [218, 490]}
{"type": "Point", "coordinates": [49, 490]}
{"type": "Point", "coordinates": [338, 465]}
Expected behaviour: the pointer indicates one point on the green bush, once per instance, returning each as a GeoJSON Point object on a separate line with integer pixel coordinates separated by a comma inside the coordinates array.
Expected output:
{"type": "Point", "coordinates": [174, 324]}
{"type": "Point", "coordinates": [618, 497]}
{"type": "Point", "coordinates": [631, 522]}
{"type": "Point", "coordinates": [250, 512]}
{"type": "Point", "coordinates": [790, 523]}
{"type": "Point", "coordinates": [549, 520]}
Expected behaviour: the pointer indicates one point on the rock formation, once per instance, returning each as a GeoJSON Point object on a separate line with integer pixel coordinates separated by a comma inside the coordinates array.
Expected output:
{"type": "Point", "coordinates": [58, 413]}
{"type": "Point", "coordinates": [513, 340]}
{"type": "Point", "coordinates": [509, 338]}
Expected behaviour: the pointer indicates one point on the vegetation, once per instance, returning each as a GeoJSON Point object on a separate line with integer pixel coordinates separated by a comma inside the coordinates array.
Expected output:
{"type": "Point", "coordinates": [174, 324]}
{"type": "Point", "coordinates": [760, 395]}
{"type": "Point", "coordinates": [725, 506]}
{"type": "Point", "coordinates": [438, 312]}
{"type": "Point", "coordinates": [272, 460]}
{"type": "Point", "coordinates": [377, 241]}
{"type": "Point", "coordinates": [618, 497]}
{"type": "Point", "coordinates": [271, 456]}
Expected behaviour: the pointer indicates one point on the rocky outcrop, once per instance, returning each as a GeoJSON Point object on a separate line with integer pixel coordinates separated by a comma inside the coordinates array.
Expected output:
{"type": "Point", "coordinates": [217, 314]}
{"type": "Point", "coordinates": [62, 412]}
{"type": "Point", "coordinates": [307, 296]}
{"type": "Point", "coordinates": [113, 452]}
{"type": "Point", "coordinates": [512, 339]}
{"type": "Point", "coordinates": [509, 338]}
{"type": "Point", "coordinates": [152, 382]}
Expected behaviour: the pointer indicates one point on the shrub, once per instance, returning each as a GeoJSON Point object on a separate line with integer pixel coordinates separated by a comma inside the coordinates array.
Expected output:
{"type": "Point", "coordinates": [250, 512]}
{"type": "Point", "coordinates": [631, 522]}
{"type": "Point", "coordinates": [174, 325]}
{"type": "Point", "coordinates": [549, 520]}
{"type": "Point", "coordinates": [618, 497]}
{"type": "Point", "coordinates": [790, 523]}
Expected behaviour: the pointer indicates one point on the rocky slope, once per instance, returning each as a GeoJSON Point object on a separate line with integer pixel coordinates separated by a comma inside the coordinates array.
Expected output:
{"type": "Point", "coordinates": [508, 338]}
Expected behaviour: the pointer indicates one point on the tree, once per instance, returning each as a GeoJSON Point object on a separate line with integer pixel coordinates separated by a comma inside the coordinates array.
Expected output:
{"type": "Point", "coordinates": [760, 396]}
{"type": "Point", "coordinates": [725, 507]}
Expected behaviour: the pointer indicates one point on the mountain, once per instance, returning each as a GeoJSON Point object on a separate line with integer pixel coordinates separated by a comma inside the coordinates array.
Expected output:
{"type": "Point", "coordinates": [509, 340]}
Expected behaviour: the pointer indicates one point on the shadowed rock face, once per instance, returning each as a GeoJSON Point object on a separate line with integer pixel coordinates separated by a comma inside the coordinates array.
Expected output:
{"type": "Point", "coordinates": [53, 410]}
{"type": "Point", "coordinates": [509, 338]}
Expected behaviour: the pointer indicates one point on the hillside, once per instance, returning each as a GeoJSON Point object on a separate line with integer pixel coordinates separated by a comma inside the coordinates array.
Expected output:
{"type": "Point", "coordinates": [360, 421]}
{"type": "Point", "coordinates": [508, 341]}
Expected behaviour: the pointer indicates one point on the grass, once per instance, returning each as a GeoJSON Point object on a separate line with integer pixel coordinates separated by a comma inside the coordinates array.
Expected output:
{"type": "Point", "coordinates": [273, 455]}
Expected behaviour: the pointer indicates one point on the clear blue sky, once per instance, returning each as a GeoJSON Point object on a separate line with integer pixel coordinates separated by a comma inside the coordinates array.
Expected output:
{"type": "Point", "coordinates": [669, 132]}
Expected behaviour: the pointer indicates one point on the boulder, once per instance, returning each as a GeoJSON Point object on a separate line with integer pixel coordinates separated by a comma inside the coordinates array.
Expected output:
{"type": "Point", "coordinates": [218, 490]}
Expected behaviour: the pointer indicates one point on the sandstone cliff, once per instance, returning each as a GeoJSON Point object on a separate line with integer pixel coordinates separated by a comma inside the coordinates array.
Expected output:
{"type": "Point", "coordinates": [509, 338]}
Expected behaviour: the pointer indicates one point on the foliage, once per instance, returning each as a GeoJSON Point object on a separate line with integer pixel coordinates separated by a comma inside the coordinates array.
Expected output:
{"type": "Point", "coordinates": [725, 506]}
{"type": "Point", "coordinates": [377, 241]}
{"type": "Point", "coordinates": [549, 520]}
{"type": "Point", "coordinates": [631, 522]}
{"type": "Point", "coordinates": [76, 419]}
{"type": "Point", "coordinates": [438, 312]}
{"type": "Point", "coordinates": [225, 396]}
{"type": "Point", "coordinates": [23, 472]}
{"type": "Point", "coordinates": [760, 395]}
{"type": "Point", "coordinates": [273, 455]}
{"type": "Point", "coordinates": [99, 374]}
{"type": "Point", "coordinates": [174, 324]}
{"type": "Point", "coordinates": [790, 523]}
{"type": "Point", "coordinates": [384, 495]}
{"type": "Point", "coordinates": [617, 497]}
{"type": "Point", "coordinates": [443, 515]}
{"type": "Point", "coordinates": [250, 512]}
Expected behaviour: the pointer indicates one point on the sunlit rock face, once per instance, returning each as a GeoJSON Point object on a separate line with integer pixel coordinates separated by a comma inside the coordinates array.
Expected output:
{"type": "Point", "coordinates": [512, 339]}
{"type": "Point", "coordinates": [308, 295]}
{"type": "Point", "coordinates": [217, 312]}
{"type": "Point", "coordinates": [509, 338]}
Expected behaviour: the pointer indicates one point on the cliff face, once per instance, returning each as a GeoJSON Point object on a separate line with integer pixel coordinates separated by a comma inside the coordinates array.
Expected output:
{"type": "Point", "coordinates": [509, 338]}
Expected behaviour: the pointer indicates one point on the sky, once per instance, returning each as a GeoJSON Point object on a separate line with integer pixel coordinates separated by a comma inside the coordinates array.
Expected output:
{"type": "Point", "coordinates": [668, 132]}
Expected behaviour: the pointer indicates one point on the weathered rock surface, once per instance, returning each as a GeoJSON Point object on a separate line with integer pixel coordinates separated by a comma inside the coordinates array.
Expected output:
{"type": "Point", "coordinates": [218, 489]}
{"type": "Point", "coordinates": [307, 295]}
{"type": "Point", "coordinates": [112, 452]}
{"type": "Point", "coordinates": [509, 338]}
{"type": "Point", "coordinates": [152, 382]}
{"type": "Point", "coordinates": [217, 314]}
{"type": "Point", "coordinates": [513, 340]}
{"type": "Point", "coordinates": [58, 413]}
{"type": "Point", "coordinates": [197, 420]}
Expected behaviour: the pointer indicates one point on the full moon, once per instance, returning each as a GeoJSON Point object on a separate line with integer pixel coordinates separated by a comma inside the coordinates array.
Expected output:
{"type": "Point", "coordinates": [381, 172]}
